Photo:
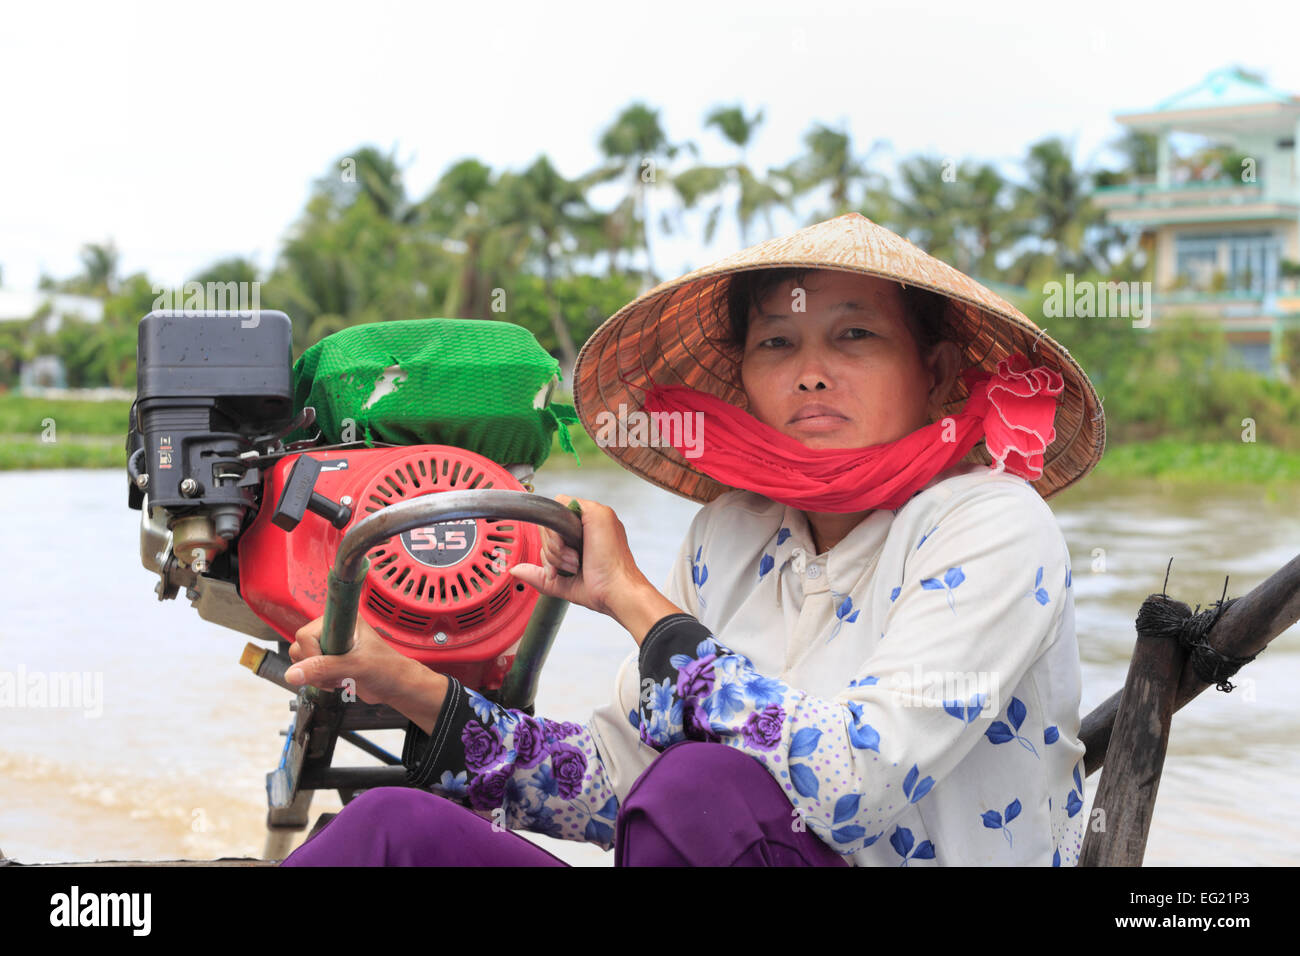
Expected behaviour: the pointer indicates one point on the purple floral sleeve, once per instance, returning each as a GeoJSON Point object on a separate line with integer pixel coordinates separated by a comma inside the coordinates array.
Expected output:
{"type": "Point", "coordinates": [697, 689]}
{"type": "Point", "coordinates": [527, 773]}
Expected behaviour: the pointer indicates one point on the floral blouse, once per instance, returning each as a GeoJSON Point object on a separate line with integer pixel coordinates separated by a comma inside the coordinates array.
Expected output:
{"type": "Point", "coordinates": [914, 690]}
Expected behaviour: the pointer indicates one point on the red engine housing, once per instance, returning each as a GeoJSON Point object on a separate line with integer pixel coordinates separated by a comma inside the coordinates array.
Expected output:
{"type": "Point", "coordinates": [442, 595]}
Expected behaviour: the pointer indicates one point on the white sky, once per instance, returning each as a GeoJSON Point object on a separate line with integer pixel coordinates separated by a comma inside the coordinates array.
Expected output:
{"type": "Point", "coordinates": [188, 133]}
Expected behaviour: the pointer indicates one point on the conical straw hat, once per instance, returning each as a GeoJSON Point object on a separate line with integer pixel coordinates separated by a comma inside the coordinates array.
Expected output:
{"type": "Point", "coordinates": [676, 334]}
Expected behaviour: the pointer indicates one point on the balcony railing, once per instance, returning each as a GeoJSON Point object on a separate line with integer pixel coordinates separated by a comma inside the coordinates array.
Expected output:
{"type": "Point", "coordinates": [1153, 195]}
{"type": "Point", "coordinates": [1285, 286]}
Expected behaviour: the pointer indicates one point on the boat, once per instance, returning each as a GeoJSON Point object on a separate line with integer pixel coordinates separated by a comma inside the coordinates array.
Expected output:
{"type": "Point", "coordinates": [256, 507]}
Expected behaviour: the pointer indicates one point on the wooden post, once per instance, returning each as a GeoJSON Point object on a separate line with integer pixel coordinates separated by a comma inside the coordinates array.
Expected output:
{"type": "Point", "coordinates": [1244, 629]}
{"type": "Point", "coordinates": [1126, 796]}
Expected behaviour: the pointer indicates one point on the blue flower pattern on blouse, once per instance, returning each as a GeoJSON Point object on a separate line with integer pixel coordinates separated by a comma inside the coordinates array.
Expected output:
{"type": "Point", "coordinates": [715, 694]}
{"type": "Point", "coordinates": [926, 535]}
{"type": "Point", "coordinates": [913, 789]}
{"type": "Point", "coordinates": [996, 821]}
{"type": "Point", "coordinates": [844, 613]}
{"type": "Point", "coordinates": [965, 712]}
{"type": "Point", "coordinates": [1038, 591]}
{"type": "Point", "coordinates": [902, 840]}
{"type": "Point", "coordinates": [861, 734]}
{"type": "Point", "coordinates": [1074, 802]}
{"type": "Point", "coordinates": [951, 580]}
{"type": "Point", "coordinates": [1000, 733]}
{"type": "Point", "coordinates": [718, 697]}
{"type": "Point", "coordinates": [700, 574]}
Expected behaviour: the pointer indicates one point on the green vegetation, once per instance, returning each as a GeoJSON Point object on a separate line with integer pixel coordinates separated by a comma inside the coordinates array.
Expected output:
{"type": "Point", "coordinates": [1162, 459]}
{"type": "Point", "coordinates": [92, 435]}
{"type": "Point", "coordinates": [530, 246]}
{"type": "Point", "coordinates": [18, 452]}
{"type": "Point", "coordinates": [1174, 381]}
{"type": "Point", "coordinates": [1169, 459]}
{"type": "Point", "coordinates": [62, 433]}
{"type": "Point", "coordinates": [72, 417]}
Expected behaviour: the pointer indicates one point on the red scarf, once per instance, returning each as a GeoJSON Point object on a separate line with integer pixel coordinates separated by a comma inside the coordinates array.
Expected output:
{"type": "Point", "coordinates": [1013, 411]}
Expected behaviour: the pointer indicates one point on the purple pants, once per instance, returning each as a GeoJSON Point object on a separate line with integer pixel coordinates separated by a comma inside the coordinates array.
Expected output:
{"type": "Point", "coordinates": [697, 804]}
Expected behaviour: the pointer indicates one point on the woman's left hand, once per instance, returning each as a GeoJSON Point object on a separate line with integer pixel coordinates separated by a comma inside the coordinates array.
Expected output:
{"type": "Point", "coordinates": [608, 581]}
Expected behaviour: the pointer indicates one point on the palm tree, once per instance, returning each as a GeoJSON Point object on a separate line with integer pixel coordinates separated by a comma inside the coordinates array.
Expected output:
{"type": "Point", "coordinates": [1054, 202]}
{"type": "Point", "coordinates": [694, 184]}
{"type": "Point", "coordinates": [828, 161]}
{"type": "Point", "coordinates": [375, 175]}
{"type": "Point", "coordinates": [632, 146]}
{"type": "Point", "coordinates": [1140, 151]}
{"type": "Point", "coordinates": [987, 216]}
{"type": "Point", "coordinates": [926, 209]}
{"type": "Point", "coordinates": [231, 269]}
{"type": "Point", "coordinates": [755, 195]}
{"type": "Point", "coordinates": [99, 268]}
{"type": "Point", "coordinates": [462, 210]}
{"type": "Point", "coordinates": [955, 213]}
{"type": "Point", "coordinates": [735, 126]}
{"type": "Point", "coordinates": [739, 130]}
{"type": "Point", "coordinates": [546, 215]}
{"type": "Point", "coordinates": [1127, 247]}
{"type": "Point", "coordinates": [315, 274]}
{"type": "Point", "coordinates": [759, 196]}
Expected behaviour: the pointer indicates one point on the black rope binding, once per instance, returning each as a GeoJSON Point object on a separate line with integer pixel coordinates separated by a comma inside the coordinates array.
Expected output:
{"type": "Point", "coordinates": [1162, 616]}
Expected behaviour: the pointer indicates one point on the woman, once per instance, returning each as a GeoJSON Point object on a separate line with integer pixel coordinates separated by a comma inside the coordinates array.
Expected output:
{"type": "Point", "coordinates": [866, 650]}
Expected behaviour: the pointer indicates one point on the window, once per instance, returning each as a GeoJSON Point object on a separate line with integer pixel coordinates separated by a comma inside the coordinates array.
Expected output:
{"type": "Point", "coordinates": [1256, 356]}
{"type": "Point", "coordinates": [1242, 262]}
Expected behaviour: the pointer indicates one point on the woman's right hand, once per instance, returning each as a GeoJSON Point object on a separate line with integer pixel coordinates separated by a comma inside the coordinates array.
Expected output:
{"type": "Point", "coordinates": [607, 581]}
{"type": "Point", "coordinates": [607, 570]}
{"type": "Point", "coordinates": [379, 672]}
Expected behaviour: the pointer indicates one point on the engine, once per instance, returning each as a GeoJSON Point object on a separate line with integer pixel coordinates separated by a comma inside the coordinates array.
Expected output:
{"type": "Point", "coordinates": [249, 524]}
{"type": "Point", "coordinates": [441, 594]}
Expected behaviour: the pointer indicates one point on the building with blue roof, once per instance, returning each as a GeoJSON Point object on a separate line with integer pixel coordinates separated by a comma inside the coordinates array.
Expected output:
{"type": "Point", "coordinates": [1228, 246]}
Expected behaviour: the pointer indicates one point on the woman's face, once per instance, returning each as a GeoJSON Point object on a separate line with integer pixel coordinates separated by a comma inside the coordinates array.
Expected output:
{"type": "Point", "coordinates": [833, 363]}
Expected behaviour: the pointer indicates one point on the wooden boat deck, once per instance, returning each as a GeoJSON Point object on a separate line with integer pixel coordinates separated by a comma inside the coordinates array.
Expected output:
{"type": "Point", "coordinates": [224, 861]}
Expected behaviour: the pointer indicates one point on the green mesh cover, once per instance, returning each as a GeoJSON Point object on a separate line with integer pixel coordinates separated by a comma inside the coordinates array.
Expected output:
{"type": "Point", "coordinates": [478, 384]}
